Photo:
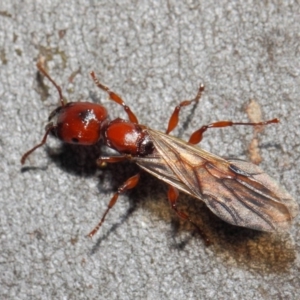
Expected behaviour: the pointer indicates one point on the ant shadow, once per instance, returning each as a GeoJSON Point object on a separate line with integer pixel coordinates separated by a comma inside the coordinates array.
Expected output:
{"type": "Point", "coordinates": [252, 249]}
{"type": "Point", "coordinates": [249, 248]}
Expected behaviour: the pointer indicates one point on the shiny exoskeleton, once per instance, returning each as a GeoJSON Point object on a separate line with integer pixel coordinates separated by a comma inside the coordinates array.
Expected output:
{"type": "Point", "coordinates": [238, 192]}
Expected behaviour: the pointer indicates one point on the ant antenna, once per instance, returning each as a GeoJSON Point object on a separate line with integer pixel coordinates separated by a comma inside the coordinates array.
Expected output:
{"type": "Point", "coordinates": [40, 65]}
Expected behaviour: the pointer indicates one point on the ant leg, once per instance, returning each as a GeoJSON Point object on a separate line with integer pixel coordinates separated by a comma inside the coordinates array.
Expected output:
{"type": "Point", "coordinates": [112, 159]}
{"type": "Point", "coordinates": [130, 183]}
{"type": "Point", "coordinates": [116, 98]}
{"type": "Point", "coordinates": [25, 155]}
{"type": "Point", "coordinates": [173, 121]}
{"type": "Point", "coordinates": [197, 136]}
{"type": "Point", "coordinates": [172, 197]}
{"type": "Point", "coordinates": [102, 161]}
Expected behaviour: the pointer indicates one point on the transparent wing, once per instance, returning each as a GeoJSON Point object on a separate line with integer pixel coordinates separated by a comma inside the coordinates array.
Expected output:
{"type": "Point", "coordinates": [238, 192]}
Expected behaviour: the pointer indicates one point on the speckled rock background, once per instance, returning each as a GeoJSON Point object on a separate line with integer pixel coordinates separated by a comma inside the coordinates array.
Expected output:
{"type": "Point", "coordinates": [154, 54]}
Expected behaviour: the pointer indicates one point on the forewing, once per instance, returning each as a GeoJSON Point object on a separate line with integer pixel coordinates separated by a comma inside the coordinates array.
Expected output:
{"type": "Point", "coordinates": [156, 165]}
{"type": "Point", "coordinates": [238, 192]}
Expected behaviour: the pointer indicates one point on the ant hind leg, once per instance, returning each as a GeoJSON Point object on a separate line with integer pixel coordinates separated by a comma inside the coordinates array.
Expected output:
{"type": "Point", "coordinates": [172, 197]}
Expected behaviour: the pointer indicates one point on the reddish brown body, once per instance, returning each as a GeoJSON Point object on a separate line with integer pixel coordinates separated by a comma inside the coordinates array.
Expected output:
{"type": "Point", "coordinates": [238, 192]}
{"type": "Point", "coordinates": [127, 138]}
{"type": "Point", "coordinates": [78, 122]}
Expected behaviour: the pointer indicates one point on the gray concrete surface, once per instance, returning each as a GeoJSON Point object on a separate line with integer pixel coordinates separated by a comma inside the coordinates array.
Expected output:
{"type": "Point", "coordinates": [154, 54]}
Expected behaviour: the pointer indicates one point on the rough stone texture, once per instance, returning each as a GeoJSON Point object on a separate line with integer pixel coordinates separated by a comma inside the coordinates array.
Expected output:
{"type": "Point", "coordinates": [154, 54]}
